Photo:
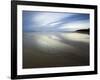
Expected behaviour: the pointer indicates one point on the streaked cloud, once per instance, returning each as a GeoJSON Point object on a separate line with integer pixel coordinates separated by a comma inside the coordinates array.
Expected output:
{"type": "Point", "coordinates": [54, 21]}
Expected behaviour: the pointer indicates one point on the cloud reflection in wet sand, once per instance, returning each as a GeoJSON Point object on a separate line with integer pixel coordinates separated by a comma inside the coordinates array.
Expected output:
{"type": "Point", "coordinates": [55, 49]}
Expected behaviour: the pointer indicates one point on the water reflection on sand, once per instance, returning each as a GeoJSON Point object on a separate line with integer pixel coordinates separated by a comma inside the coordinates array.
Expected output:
{"type": "Point", "coordinates": [55, 49]}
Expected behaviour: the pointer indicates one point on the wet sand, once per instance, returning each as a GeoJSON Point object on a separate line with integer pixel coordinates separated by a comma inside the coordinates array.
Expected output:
{"type": "Point", "coordinates": [55, 49]}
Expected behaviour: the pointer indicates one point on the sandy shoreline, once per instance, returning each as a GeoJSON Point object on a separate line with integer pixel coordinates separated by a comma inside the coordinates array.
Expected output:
{"type": "Point", "coordinates": [55, 49]}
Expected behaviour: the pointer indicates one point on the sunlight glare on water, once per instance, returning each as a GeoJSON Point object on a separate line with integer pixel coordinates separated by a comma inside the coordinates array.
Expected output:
{"type": "Point", "coordinates": [56, 41]}
{"type": "Point", "coordinates": [76, 37]}
{"type": "Point", "coordinates": [45, 41]}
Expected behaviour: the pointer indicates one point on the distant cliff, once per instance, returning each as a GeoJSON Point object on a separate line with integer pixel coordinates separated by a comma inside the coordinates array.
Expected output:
{"type": "Point", "coordinates": [84, 31]}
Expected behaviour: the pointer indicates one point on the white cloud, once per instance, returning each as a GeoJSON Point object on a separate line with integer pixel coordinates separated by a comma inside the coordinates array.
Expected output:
{"type": "Point", "coordinates": [76, 25]}
{"type": "Point", "coordinates": [45, 18]}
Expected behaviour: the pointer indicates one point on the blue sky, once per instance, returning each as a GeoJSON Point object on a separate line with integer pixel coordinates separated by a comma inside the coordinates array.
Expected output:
{"type": "Point", "coordinates": [54, 21]}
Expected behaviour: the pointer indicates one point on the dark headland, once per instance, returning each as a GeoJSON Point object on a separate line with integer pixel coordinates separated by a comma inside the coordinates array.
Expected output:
{"type": "Point", "coordinates": [86, 31]}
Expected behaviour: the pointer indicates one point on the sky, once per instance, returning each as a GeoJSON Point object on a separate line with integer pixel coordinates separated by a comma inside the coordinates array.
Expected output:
{"type": "Point", "coordinates": [54, 21]}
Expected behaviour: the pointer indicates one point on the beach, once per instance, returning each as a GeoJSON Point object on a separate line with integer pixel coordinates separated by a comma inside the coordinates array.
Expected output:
{"type": "Point", "coordinates": [55, 49]}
